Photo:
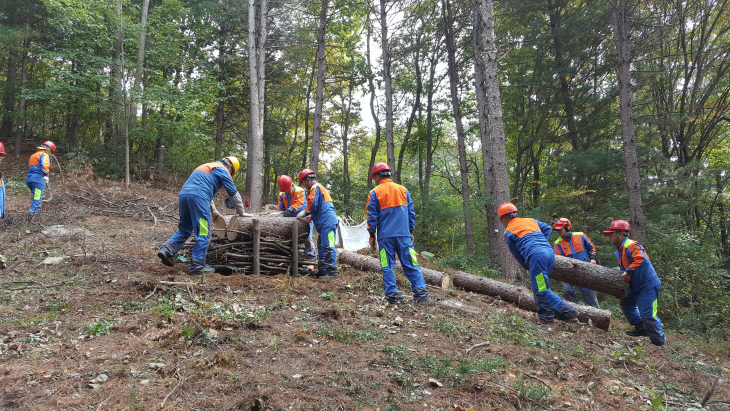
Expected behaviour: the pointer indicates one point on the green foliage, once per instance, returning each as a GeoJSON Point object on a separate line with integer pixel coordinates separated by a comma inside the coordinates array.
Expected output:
{"type": "Point", "coordinates": [100, 327]}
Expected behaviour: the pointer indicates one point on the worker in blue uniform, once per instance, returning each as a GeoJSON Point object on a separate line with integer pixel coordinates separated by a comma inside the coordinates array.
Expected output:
{"type": "Point", "coordinates": [527, 240]}
{"type": "Point", "coordinates": [321, 211]}
{"type": "Point", "coordinates": [39, 167]}
{"type": "Point", "coordinates": [195, 201]}
{"type": "Point", "coordinates": [577, 245]}
{"type": "Point", "coordinates": [391, 217]}
{"type": "Point", "coordinates": [292, 201]}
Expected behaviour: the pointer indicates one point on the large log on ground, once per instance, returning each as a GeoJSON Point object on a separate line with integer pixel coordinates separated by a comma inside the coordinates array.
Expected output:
{"type": "Point", "coordinates": [365, 263]}
{"type": "Point", "coordinates": [240, 228]}
{"type": "Point", "coordinates": [593, 276]}
{"type": "Point", "coordinates": [523, 297]}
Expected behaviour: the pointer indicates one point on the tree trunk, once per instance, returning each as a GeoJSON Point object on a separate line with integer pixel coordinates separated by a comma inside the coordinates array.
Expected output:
{"type": "Point", "coordinates": [347, 106]}
{"type": "Point", "coordinates": [414, 110]}
{"type": "Point", "coordinates": [593, 276]}
{"type": "Point", "coordinates": [426, 189]}
{"type": "Point", "coordinates": [118, 74]}
{"type": "Point", "coordinates": [621, 20]}
{"type": "Point", "coordinates": [319, 102]}
{"type": "Point", "coordinates": [306, 115]}
{"type": "Point", "coordinates": [261, 50]}
{"type": "Point", "coordinates": [389, 143]}
{"type": "Point", "coordinates": [139, 73]}
{"type": "Point", "coordinates": [239, 228]}
{"type": "Point", "coordinates": [365, 263]}
{"type": "Point", "coordinates": [8, 109]}
{"type": "Point", "coordinates": [522, 296]}
{"type": "Point", "coordinates": [373, 112]}
{"type": "Point", "coordinates": [255, 150]}
{"type": "Point", "coordinates": [221, 92]}
{"type": "Point", "coordinates": [21, 104]}
{"type": "Point", "coordinates": [463, 166]}
{"type": "Point", "coordinates": [499, 172]}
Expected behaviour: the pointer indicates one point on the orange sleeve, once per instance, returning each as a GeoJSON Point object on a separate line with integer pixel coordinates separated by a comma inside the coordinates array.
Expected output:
{"type": "Point", "coordinates": [297, 199]}
{"type": "Point", "coordinates": [637, 255]}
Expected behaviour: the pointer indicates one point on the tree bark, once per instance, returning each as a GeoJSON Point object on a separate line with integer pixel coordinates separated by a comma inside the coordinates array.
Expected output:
{"type": "Point", "coordinates": [118, 74]}
{"type": "Point", "coordinates": [255, 149]}
{"type": "Point", "coordinates": [499, 172]}
{"type": "Point", "coordinates": [387, 79]}
{"type": "Point", "coordinates": [240, 228]}
{"type": "Point", "coordinates": [522, 296]}
{"type": "Point", "coordinates": [621, 21]}
{"type": "Point", "coordinates": [461, 140]}
{"type": "Point", "coordinates": [373, 112]}
{"type": "Point", "coordinates": [319, 102]}
{"type": "Point", "coordinates": [365, 263]}
{"type": "Point", "coordinates": [593, 276]}
{"type": "Point", "coordinates": [8, 108]}
{"type": "Point", "coordinates": [139, 73]}
{"type": "Point", "coordinates": [416, 107]}
{"type": "Point", "coordinates": [21, 104]}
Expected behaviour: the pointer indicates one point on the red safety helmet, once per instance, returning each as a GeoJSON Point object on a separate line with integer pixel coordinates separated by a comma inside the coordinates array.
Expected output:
{"type": "Point", "coordinates": [2, 148]}
{"type": "Point", "coordinates": [562, 222]}
{"type": "Point", "coordinates": [506, 208]}
{"type": "Point", "coordinates": [378, 168]}
{"type": "Point", "coordinates": [306, 173]}
{"type": "Point", "coordinates": [49, 144]}
{"type": "Point", "coordinates": [284, 183]}
{"type": "Point", "coordinates": [618, 225]}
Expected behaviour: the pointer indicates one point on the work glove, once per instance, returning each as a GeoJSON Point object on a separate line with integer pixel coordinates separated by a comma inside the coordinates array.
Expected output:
{"type": "Point", "coordinates": [291, 210]}
{"type": "Point", "coordinates": [229, 204]}
{"type": "Point", "coordinates": [308, 218]}
{"type": "Point", "coordinates": [45, 179]}
{"type": "Point", "coordinates": [372, 243]}
{"type": "Point", "coordinates": [627, 275]}
{"type": "Point", "coordinates": [593, 262]}
{"type": "Point", "coordinates": [215, 214]}
{"type": "Point", "coordinates": [301, 214]}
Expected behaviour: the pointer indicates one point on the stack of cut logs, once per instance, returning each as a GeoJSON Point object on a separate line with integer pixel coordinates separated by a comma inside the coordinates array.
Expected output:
{"type": "Point", "coordinates": [261, 245]}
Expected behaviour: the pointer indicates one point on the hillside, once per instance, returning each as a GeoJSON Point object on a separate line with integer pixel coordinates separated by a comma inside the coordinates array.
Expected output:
{"type": "Point", "coordinates": [109, 327]}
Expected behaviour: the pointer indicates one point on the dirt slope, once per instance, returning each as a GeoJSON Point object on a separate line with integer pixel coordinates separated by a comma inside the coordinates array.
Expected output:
{"type": "Point", "coordinates": [106, 329]}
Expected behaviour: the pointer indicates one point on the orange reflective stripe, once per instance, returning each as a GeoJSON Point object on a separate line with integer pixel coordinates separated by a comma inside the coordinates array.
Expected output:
{"type": "Point", "coordinates": [637, 255]}
{"type": "Point", "coordinates": [297, 198]}
{"type": "Point", "coordinates": [35, 158]}
{"type": "Point", "coordinates": [391, 194]}
{"type": "Point", "coordinates": [522, 226]}
{"type": "Point", "coordinates": [577, 241]}
{"type": "Point", "coordinates": [208, 167]}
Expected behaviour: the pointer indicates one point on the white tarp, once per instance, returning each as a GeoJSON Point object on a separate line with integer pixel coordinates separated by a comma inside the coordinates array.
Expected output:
{"type": "Point", "coordinates": [355, 237]}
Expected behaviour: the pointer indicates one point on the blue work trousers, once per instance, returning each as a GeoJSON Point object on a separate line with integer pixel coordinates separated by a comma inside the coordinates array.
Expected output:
{"type": "Point", "coordinates": [194, 219]}
{"type": "Point", "coordinates": [589, 296]}
{"type": "Point", "coordinates": [403, 247]}
{"type": "Point", "coordinates": [37, 189]}
{"type": "Point", "coordinates": [640, 308]}
{"type": "Point", "coordinates": [327, 253]}
{"type": "Point", "coordinates": [548, 304]}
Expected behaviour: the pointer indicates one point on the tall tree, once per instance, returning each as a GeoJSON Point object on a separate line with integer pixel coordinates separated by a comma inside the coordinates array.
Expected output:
{"type": "Point", "coordinates": [622, 11]}
{"type": "Point", "coordinates": [139, 73]}
{"type": "Point", "coordinates": [319, 102]}
{"type": "Point", "coordinates": [460, 134]}
{"type": "Point", "coordinates": [373, 111]}
{"type": "Point", "coordinates": [498, 171]}
{"type": "Point", "coordinates": [388, 80]}
{"type": "Point", "coordinates": [255, 149]}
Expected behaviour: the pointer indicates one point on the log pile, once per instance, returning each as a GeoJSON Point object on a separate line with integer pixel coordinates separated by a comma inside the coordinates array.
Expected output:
{"type": "Point", "coordinates": [256, 245]}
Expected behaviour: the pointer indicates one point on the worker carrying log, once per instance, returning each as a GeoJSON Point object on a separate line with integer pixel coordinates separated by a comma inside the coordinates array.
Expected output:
{"type": "Point", "coordinates": [39, 167]}
{"type": "Point", "coordinates": [391, 215]}
{"type": "Point", "coordinates": [293, 200]}
{"type": "Point", "coordinates": [321, 211]}
{"type": "Point", "coordinates": [194, 202]}
{"type": "Point", "coordinates": [575, 245]}
{"type": "Point", "coordinates": [527, 239]}
{"type": "Point", "coordinates": [639, 305]}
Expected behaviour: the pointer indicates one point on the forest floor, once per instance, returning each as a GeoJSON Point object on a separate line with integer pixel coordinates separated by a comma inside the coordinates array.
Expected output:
{"type": "Point", "coordinates": [102, 327]}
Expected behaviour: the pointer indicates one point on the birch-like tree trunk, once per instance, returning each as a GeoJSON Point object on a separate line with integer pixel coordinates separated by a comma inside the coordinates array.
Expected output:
{"type": "Point", "coordinates": [373, 111]}
{"type": "Point", "coordinates": [139, 72]}
{"type": "Point", "coordinates": [319, 102]}
{"type": "Point", "coordinates": [460, 137]}
{"type": "Point", "coordinates": [621, 22]}
{"type": "Point", "coordinates": [498, 173]}
{"type": "Point", "coordinates": [255, 149]}
{"type": "Point", "coordinates": [389, 143]}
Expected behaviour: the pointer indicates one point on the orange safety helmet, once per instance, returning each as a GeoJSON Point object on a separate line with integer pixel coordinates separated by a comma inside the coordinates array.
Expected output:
{"type": "Point", "coordinates": [306, 173]}
{"type": "Point", "coordinates": [2, 148]}
{"type": "Point", "coordinates": [506, 208]}
{"type": "Point", "coordinates": [617, 225]}
{"type": "Point", "coordinates": [562, 222]}
{"type": "Point", "coordinates": [49, 144]}
{"type": "Point", "coordinates": [284, 183]}
{"type": "Point", "coordinates": [378, 168]}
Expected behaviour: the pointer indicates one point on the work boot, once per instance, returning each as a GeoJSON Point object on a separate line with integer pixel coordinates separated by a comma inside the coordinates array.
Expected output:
{"type": "Point", "coordinates": [328, 273]}
{"type": "Point", "coordinates": [655, 334]}
{"type": "Point", "coordinates": [638, 331]}
{"type": "Point", "coordinates": [420, 295]}
{"type": "Point", "coordinates": [567, 312]}
{"type": "Point", "coordinates": [198, 267]}
{"type": "Point", "coordinates": [394, 298]}
{"type": "Point", "coordinates": [166, 259]}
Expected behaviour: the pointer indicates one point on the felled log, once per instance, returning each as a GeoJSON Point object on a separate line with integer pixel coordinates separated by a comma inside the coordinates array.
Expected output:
{"type": "Point", "coordinates": [220, 224]}
{"type": "Point", "coordinates": [365, 263]}
{"type": "Point", "coordinates": [593, 276]}
{"type": "Point", "coordinates": [240, 228]}
{"type": "Point", "coordinates": [523, 297]}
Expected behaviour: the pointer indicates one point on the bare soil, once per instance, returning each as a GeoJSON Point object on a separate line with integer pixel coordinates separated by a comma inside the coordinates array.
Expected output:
{"type": "Point", "coordinates": [110, 327]}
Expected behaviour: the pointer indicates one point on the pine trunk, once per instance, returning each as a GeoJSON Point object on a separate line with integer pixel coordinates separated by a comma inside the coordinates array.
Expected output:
{"type": "Point", "coordinates": [365, 263]}
{"type": "Point", "coordinates": [241, 228]}
{"type": "Point", "coordinates": [319, 102]}
{"type": "Point", "coordinates": [593, 276]}
{"type": "Point", "coordinates": [522, 296]}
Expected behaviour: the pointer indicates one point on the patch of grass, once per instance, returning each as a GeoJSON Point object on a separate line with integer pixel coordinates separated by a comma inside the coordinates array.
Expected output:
{"type": "Point", "coordinates": [329, 296]}
{"type": "Point", "coordinates": [349, 338]}
{"type": "Point", "coordinates": [535, 393]}
{"type": "Point", "coordinates": [458, 371]}
{"type": "Point", "coordinates": [99, 327]}
{"type": "Point", "coordinates": [452, 328]}
{"type": "Point", "coordinates": [130, 305]}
